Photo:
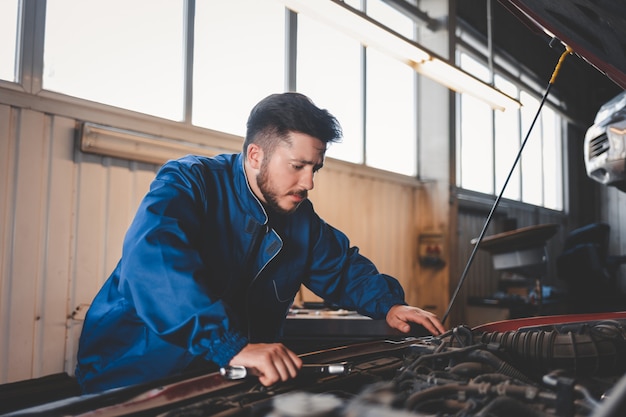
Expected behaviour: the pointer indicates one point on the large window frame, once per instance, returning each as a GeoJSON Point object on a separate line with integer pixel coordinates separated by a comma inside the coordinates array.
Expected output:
{"type": "Point", "coordinates": [538, 176]}
{"type": "Point", "coordinates": [30, 79]}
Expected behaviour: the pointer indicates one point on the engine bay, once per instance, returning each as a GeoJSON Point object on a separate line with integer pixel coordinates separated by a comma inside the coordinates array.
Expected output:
{"type": "Point", "coordinates": [565, 366]}
{"type": "Point", "coordinates": [567, 369]}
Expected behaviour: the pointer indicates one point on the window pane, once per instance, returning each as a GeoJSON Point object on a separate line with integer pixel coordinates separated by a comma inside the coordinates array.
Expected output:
{"type": "Point", "coordinates": [507, 144]}
{"type": "Point", "coordinates": [354, 3]}
{"type": "Point", "coordinates": [552, 159]}
{"type": "Point", "coordinates": [328, 68]}
{"type": "Point", "coordinates": [8, 39]}
{"type": "Point", "coordinates": [538, 176]}
{"type": "Point", "coordinates": [390, 17]}
{"type": "Point", "coordinates": [127, 54]}
{"type": "Point", "coordinates": [476, 145]}
{"type": "Point", "coordinates": [532, 161]}
{"type": "Point", "coordinates": [476, 150]}
{"type": "Point", "coordinates": [238, 60]}
{"type": "Point", "coordinates": [474, 67]}
{"type": "Point", "coordinates": [391, 141]}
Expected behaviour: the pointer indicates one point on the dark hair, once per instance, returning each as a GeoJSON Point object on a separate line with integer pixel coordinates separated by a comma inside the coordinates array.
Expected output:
{"type": "Point", "coordinates": [275, 116]}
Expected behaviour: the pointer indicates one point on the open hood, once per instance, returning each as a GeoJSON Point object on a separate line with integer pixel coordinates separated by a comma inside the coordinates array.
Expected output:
{"type": "Point", "coordinates": [594, 29]}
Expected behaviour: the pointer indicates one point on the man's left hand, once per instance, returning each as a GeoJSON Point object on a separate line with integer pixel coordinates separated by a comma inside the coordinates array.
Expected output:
{"type": "Point", "coordinates": [400, 316]}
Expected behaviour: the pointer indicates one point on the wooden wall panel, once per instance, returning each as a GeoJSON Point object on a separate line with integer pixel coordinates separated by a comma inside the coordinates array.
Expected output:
{"type": "Point", "coordinates": [345, 206]}
{"type": "Point", "coordinates": [27, 242]}
{"type": "Point", "coordinates": [143, 174]}
{"type": "Point", "coordinates": [431, 211]}
{"type": "Point", "coordinates": [63, 215]}
{"type": "Point", "coordinates": [118, 210]}
{"type": "Point", "coordinates": [481, 278]}
{"type": "Point", "coordinates": [381, 218]}
{"type": "Point", "coordinates": [8, 150]}
{"type": "Point", "coordinates": [50, 345]}
{"type": "Point", "coordinates": [108, 193]}
{"type": "Point", "coordinates": [90, 270]}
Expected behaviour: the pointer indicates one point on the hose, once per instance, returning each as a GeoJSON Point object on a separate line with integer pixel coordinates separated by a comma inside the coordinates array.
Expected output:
{"type": "Point", "coordinates": [589, 353]}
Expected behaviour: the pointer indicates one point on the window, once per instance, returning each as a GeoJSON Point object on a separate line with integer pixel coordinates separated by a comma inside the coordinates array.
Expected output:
{"type": "Point", "coordinates": [136, 56]}
{"type": "Point", "coordinates": [488, 143]}
{"type": "Point", "coordinates": [507, 130]}
{"type": "Point", "coordinates": [127, 54]}
{"type": "Point", "coordinates": [391, 139]}
{"type": "Point", "coordinates": [329, 72]}
{"type": "Point", "coordinates": [390, 17]}
{"type": "Point", "coordinates": [239, 58]}
{"type": "Point", "coordinates": [552, 159]}
{"type": "Point", "coordinates": [476, 148]}
{"type": "Point", "coordinates": [8, 39]}
{"type": "Point", "coordinates": [532, 158]}
{"type": "Point", "coordinates": [391, 131]}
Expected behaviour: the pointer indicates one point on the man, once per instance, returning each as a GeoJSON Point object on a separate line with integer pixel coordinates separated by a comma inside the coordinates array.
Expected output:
{"type": "Point", "coordinates": [217, 252]}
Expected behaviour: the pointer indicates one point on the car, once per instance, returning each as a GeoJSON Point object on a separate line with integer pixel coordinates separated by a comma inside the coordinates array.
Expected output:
{"type": "Point", "coordinates": [605, 144]}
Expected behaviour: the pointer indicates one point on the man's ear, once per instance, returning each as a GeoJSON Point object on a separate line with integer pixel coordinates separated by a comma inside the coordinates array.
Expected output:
{"type": "Point", "coordinates": [254, 156]}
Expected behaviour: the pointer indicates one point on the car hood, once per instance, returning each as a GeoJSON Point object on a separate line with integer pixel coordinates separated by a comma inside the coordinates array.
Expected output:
{"type": "Point", "coordinates": [594, 30]}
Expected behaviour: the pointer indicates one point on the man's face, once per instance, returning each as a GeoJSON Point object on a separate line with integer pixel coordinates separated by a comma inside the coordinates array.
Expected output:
{"type": "Point", "coordinates": [286, 176]}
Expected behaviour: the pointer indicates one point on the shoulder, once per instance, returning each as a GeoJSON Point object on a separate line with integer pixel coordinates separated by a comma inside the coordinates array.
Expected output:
{"type": "Point", "coordinates": [190, 162]}
{"type": "Point", "coordinates": [197, 166]}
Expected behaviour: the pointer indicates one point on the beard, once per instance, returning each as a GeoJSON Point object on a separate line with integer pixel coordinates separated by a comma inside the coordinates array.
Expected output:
{"type": "Point", "coordinates": [269, 193]}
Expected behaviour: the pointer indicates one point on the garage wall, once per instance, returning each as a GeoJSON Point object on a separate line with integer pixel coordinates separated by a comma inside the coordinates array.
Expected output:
{"type": "Point", "coordinates": [614, 214]}
{"type": "Point", "coordinates": [482, 279]}
{"type": "Point", "coordinates": [63, 215]}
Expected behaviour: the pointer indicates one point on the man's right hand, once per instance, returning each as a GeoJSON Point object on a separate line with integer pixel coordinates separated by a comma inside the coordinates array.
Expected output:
{"type": "Point", "coordinates": [271, 362]}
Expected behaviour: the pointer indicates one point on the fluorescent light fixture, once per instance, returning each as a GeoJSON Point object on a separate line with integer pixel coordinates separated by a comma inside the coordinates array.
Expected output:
{"type": "Point", "coordinates": [457, 80]}
{"type": "Point", "coordinates": [371, 33]}
{"type": "Point", "coordinates": [126, 144]}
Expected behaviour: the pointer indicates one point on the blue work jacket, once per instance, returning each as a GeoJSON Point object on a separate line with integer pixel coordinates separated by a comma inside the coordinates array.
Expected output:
{"type": "Point", "coordinates": [204, 271]}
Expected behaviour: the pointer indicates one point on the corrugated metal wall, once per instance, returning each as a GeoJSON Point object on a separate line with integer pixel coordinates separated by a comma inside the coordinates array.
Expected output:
{"type": "Point", "coordinates": [37, 212]}
{"type": "Point", "coordinates": [62, 218]}
{"type": "Point", "coordinates": [63, 215]}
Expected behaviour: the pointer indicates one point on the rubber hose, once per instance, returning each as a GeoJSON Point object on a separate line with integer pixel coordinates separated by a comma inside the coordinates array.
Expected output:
{"type": "Point", "coordinates": [582, 353]}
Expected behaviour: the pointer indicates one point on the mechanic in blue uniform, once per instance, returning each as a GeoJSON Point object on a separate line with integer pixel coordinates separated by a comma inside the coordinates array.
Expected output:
{"type": "Point", "coordinates": [216, 254]}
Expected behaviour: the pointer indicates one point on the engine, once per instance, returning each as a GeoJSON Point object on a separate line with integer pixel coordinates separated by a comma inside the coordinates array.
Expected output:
{"type": "Point", "coordinates": [566, 370]}
{"type": "Point", "coordinates": [563, 366]}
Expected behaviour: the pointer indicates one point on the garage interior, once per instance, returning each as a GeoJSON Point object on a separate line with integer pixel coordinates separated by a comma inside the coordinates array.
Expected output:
{"type": "Point", "coordinates": [64, 209]}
